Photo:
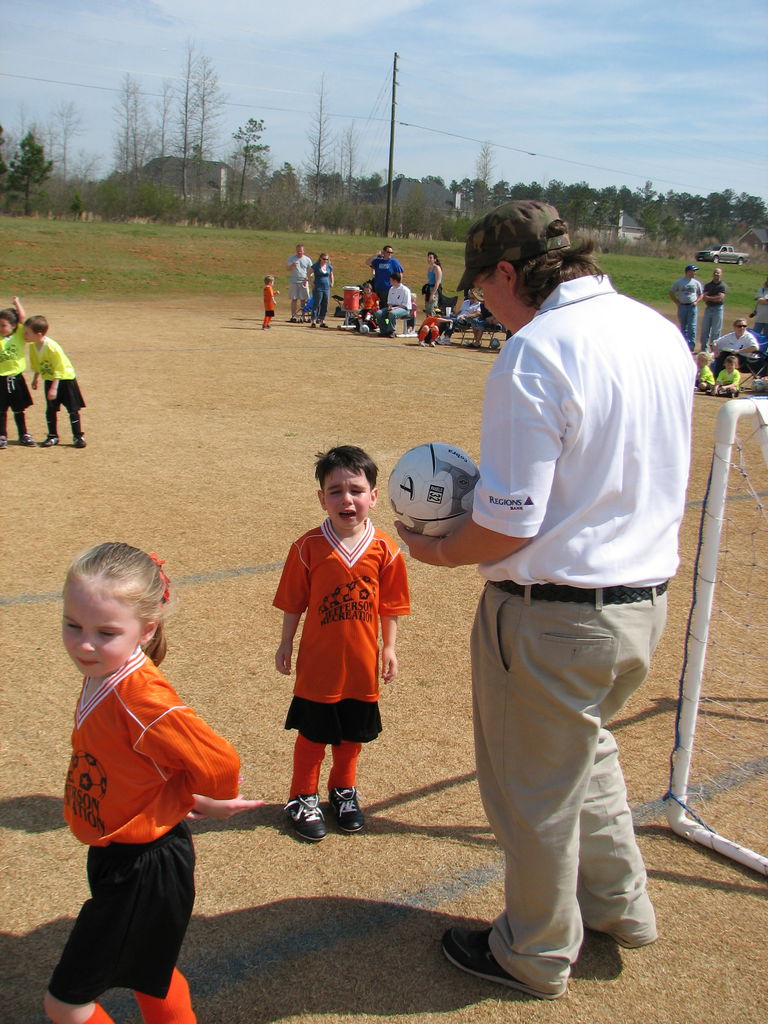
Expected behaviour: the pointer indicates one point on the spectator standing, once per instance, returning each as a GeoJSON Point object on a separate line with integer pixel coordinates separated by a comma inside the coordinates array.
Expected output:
{"type": "Point", "coordinates": [433, 289]}
{"type": "Point", "coordinates": [686, 293]}
{"type": "Point", "coordinates": [322, 278]}
{"type": "Point", "coordinates": [761, 310]}
{"type": "Point", "coordinates": [576, 539]}
{"type": "Point", "coordinates": [714, 307]}
{"type": "Point", "coordinates": [383, 264]}
{"type": "Point", "coordinates": [298, 266]}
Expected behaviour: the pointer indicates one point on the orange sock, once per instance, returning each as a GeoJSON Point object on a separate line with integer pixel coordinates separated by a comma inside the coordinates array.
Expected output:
{"type": "Point", "coordinates": [307, 758]}
{"type": "Point", "coordinates": [99, 1016]}
{"type": "Point", "coordinates": [176, 1008]}
{"type": "Point", "coordinates": [344, 771]}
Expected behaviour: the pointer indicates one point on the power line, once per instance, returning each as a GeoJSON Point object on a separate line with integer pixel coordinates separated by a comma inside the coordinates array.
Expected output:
{"type": "Point", "coordinates": [541, 156]}
{"type": "Point", "coordinates": [370, 118]}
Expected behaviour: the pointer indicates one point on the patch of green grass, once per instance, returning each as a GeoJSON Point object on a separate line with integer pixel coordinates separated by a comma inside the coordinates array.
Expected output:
{"type": "Point", "coordinates": [131, 261]}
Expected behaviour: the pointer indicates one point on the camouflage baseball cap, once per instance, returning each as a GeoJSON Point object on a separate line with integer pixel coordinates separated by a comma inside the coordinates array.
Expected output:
{"type": "Point", "coordinates": [515, 231]}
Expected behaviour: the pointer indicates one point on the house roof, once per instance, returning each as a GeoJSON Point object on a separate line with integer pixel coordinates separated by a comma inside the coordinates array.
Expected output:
{"type": "Point", "coordinates": [761, 234]}
{"type": "Point", "coordinates": [433, 194]}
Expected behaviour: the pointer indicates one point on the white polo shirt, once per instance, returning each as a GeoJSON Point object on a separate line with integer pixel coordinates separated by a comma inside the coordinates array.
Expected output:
{"type": "Point", "coordinates": [585, 446]}
{"type": "Point", "coordinates": [400, 296]}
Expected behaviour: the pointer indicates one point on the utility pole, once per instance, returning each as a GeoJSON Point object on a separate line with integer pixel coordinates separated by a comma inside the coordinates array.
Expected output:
{"type": "Point", "coordinates": [391, 149]}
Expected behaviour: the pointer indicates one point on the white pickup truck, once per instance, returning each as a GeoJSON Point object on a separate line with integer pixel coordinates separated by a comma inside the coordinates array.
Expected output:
{"type": "Point", "coordinates": [722, 254]}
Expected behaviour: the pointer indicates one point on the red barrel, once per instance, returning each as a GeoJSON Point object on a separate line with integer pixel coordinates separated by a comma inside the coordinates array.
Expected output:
{"type": "Point", "coordinates": [351, 298]}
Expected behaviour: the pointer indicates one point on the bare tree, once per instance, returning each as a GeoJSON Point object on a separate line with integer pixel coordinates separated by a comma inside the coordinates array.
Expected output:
{"type": "Point", "coordinates": [209, 105]}
{"type": "Point", "coordinates": [133, 141]}
{"type": "Point", "coordinates": [69, 126]}
{"type": "Point", "coordinates": [164, 110]}
{"type": "Point", "coordinates": [199, 107]}
{"type": "Point", "coordinates": [348, 149]}
{"type": "Point", "coordinates": [185, 116]}
{"type": "Point", "coordinates": [483, 175]}
{"type": "Point", "coordinates": [321, 146]}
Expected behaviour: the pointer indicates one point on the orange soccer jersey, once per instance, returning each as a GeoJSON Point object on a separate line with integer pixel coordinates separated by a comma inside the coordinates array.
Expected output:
{"type": "Point", "coordinates": [138, 756]}
{"type": "Point", "coordinates": [269, 297]}
{"type": "Point", "coordinates": [370, 301]}
{"type": "Point", "coordinates": [343, 593]}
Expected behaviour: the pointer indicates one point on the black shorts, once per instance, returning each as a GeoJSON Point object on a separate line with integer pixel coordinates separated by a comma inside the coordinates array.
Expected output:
{"type": "Point", "coordinates": [357, 721]}
{"type": "Point", "coordinates": [14, 393]}
{"type": "Point", "coordinates": [129, 934]}
{"type": "Point", "coordinates": [67, 394]}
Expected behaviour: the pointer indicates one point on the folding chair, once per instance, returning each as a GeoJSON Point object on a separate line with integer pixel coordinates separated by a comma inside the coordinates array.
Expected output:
{"type": "Point", "coordinates": [754, 366]}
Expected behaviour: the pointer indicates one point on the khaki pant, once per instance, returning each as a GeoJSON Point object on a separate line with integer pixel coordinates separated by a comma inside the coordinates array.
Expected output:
{"type": "Point", "coordinates": [546, 677]}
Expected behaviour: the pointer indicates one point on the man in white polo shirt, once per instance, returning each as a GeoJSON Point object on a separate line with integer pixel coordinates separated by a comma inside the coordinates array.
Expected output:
{"type": "Point", "coordinates": [583, 470]}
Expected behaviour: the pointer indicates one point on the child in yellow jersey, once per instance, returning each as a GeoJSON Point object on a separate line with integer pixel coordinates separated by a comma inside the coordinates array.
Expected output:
{"type": "Point", "coordinates": [142, 762]}
{"type": "Point", "coordinates": [14, 393]}
{"type": "Point", "coordinates": [347, 577]}
{"type": "Point", "coordinates": [705, 379]}
{"type": "Point", "coordinates": [729, 379]}
{"type": "Point", "coordinates": [49, 360]}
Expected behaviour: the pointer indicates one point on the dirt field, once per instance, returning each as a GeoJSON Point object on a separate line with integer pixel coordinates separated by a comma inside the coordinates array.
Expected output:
{"type": "Point", "coordinates": [201, 435]}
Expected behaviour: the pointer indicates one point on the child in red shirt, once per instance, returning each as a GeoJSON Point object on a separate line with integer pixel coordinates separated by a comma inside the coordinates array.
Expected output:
{"type": "Point", "coordinates": [430, 329]}
{"type": "Point", "coordinates": [347, 576]}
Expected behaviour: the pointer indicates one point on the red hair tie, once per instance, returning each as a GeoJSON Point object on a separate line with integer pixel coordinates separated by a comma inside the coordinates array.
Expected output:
{"type": "Point", "coordinates": [160, 562]}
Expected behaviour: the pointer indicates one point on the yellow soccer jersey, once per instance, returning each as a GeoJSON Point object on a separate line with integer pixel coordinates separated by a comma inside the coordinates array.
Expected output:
{"type": "Point", "coordinates": [12, 358]}
{"type": "Point", "coordinates": [51, 361]}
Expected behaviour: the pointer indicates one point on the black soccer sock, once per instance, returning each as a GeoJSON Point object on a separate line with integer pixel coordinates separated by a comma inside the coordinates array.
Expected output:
{"type": "Point", "coordinates": [21, 423]}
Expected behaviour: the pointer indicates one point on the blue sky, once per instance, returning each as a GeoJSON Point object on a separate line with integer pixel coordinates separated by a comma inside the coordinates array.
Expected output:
{"type": "Point", "coordinates": [612, 93]}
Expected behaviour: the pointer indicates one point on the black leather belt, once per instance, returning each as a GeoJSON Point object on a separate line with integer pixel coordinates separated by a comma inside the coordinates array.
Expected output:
{"type": "Point", "coordinates": [580, 595]}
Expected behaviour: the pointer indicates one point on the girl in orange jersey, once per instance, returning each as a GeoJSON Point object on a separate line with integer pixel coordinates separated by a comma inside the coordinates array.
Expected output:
{"type": "Point", "coordinates": [142, 762]}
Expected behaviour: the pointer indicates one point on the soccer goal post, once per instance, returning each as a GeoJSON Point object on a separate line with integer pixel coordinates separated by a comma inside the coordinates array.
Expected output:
{"type": "Point", "coordinates": [718, 790]}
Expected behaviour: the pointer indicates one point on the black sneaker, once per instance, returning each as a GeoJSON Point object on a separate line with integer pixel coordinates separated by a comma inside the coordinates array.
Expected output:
{"type": "Point", "coordinates": [79, 442]}
{"type": "Point", "coordinates": [49, 442]}
{"type": "Point", "coordinates": [306, 816]}
{"type": "Point", "coordinates": [347, 809]}
{"type": "Point", "coordinates": [27, 440]}
{"type": "Point", "coordinates": [468, 950]}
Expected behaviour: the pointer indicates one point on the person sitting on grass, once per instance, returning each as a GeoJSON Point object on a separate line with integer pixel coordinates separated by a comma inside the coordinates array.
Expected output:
{"type": "Point", "coordinates": [729, 379]}
{"type": "Point", "coordinates": [705, 379]}
{"type": "Point", "coordinates": [347, 576]}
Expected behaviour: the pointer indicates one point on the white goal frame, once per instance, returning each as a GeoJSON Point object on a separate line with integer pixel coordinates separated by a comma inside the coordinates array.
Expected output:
{"type": "Point", "coordinates": [679, 814]}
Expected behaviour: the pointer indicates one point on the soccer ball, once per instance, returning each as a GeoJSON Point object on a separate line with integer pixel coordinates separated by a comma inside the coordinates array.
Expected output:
{"type": "Point", "coordinates": [760, 385]}
{"type": "Point", "coordinates": [87, 775]}
{"type": "Point", "coordinates": [430, 488]}
{"type": "Point", "coordinates": [364, 329]}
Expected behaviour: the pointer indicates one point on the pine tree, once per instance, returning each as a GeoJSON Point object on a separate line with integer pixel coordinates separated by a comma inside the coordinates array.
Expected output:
{"type": "Point", "coordinates": [28, 170]}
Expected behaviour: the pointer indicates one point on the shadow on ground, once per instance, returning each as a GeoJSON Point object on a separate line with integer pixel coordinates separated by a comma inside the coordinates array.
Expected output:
{"type": "Point", "coordinates": [299, 956]}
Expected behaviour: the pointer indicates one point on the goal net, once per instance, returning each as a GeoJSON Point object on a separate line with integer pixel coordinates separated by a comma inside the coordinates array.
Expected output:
{"type": "Point", "coordinates": [718, 791]}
